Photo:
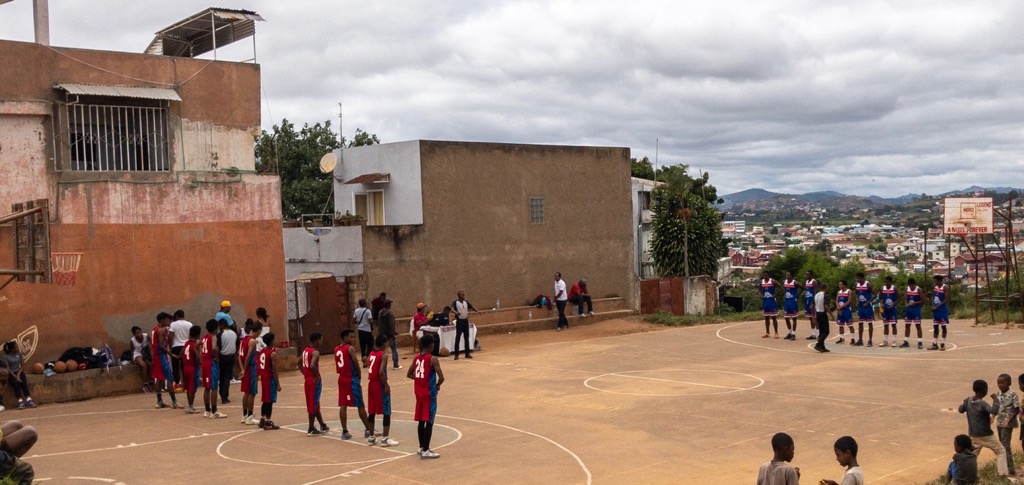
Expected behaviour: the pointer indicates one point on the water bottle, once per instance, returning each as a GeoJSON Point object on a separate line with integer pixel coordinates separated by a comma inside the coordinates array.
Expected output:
{"type": "Point", "coordinates": [497, 304]}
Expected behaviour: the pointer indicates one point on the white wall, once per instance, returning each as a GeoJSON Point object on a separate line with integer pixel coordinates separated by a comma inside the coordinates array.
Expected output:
{"type": "Point", "coordinates": [403, 196]}
{"type": "Point", "coordinates": [336, 250]}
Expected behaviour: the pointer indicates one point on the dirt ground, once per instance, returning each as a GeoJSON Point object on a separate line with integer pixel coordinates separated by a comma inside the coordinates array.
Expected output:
{"type": "Point", "coordinates": [620, 401]}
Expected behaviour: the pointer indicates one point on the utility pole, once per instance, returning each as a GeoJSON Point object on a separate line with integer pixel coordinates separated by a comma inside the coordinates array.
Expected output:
{"type": "Point", "coordinates": [341, 119]}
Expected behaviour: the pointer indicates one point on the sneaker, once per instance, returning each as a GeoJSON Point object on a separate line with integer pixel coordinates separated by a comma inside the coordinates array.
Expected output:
{"type": "Point", "coordinates": [457, 355]}
{"type": "Point", "coordinates": [315, 432]}
{"type": "Point", "coordinates": [590, 314]}
{"type": "Point", "coordinates": [372, 440]}
{"type": "Point", "coordinates": [386, 442]}
{"type": "Point", "coordinates": [21, 404]}
{"type": "Point", "coordinates": [244, 420]}
{"type": "Point", "coordinates": [397, 366]}
{"type": "Point", "coordinates": [920, 346]}
{"type": "Point", "coordinates": [469, 355]}
{"type": "Point", "coordinates": [933, 347]}
{"type": "Point", "coordinates": [190, 410]}
{"type": "Point", "coordinates": [811, 337]}
{"type": "Point", "coordinates": [429, 455]}
{"type": "Point", "coordinates": [367, 433]}
{"type": "Point", "coordinates": [324, 428]}
{"type": "Point", "coordinates": [175, 405]}
{"type": "Point", "coordinates": [419, 452]}
{"type": "Point", "coordinates": [159, 405]}
{"type": "Point", "coordinates": [207, 414]}
{"type": "Point", "coordinates": [905, 345]}
{"type": "Point", "coordinates": [870, 344]}
{"type": "Point", "coordinates": [30, 403]}
{"type": "Point", "coordinates": [218, 415]}
{"type": "Point", "coordinates": [942, 347]}
{"type": "Point", "coordinates": [270, 426]}
{"type": "Point", "coordinates": [345, 435]}
{"type": "Point", "coordinates": [885, 343]}
{"type": "Point", "coordinates": [225, 401]}
{"type": "Point", "coordinates": [236, 381]}
{"type": "Point", "coordinates": [558, 329]}
{"type": "Point", "coordinates": [253, 420]}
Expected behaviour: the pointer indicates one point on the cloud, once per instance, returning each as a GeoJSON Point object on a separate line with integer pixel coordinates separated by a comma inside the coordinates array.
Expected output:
{"type": "Point", "coordinates": [870, 97]}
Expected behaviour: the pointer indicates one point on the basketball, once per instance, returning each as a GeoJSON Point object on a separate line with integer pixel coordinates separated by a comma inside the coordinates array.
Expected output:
{"type": "Point", "coordinates": [37, 368]}
{"type": "Point", "coordinates": [58, 367]}
{"type": "Point", "coordinates": [444, 352]}
{"type": "Point", "coordinates": [70, 365]}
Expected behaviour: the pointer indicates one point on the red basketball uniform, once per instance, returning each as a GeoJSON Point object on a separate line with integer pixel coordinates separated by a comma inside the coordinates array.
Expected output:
{"type": "Point", "coordinates": [157, 369]}
{"type": "Point", "coordinates": [374, 390]}
{"type": "Point", "coordinates": [243, 351]}
{"type": "Point", "coordinates": [188, 366]}
{"type": "Point", "coordinates": [424, 385]}
{"type": "Point", "coordinates": [265, 369]}
{"type": "Point", "coordinates": [343, 366]}
{"type": "Point", "coordinates": [310, 374]}
{"type": "Point", "coordinates": [206, 360]}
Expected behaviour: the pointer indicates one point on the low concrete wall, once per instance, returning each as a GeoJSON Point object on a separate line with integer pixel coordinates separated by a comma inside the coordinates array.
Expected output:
{"type": "Point", "coordinates": [88, 384]}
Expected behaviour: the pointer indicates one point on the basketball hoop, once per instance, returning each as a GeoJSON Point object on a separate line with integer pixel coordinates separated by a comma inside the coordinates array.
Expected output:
{"type": "Point", "coordinates": [65, 268]}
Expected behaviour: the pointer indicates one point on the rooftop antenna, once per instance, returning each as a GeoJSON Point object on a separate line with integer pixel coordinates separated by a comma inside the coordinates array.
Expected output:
{"type": "Point", "coordinates": [656, 141]}
{"type": "Point", "coordinates": [41, 18]}
{"type": "Point", "coordinates": [341, 137]}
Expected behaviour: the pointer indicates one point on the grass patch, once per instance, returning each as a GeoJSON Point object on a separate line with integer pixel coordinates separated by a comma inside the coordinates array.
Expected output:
{"type": "Point", "coordinates": [670, 320]}
{"type": "Point", "coordinates": [987, 474]}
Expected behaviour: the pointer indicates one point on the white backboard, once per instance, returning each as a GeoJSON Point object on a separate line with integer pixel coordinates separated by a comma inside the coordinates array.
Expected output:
{"type": "Point", "coordinates": [967, 215]}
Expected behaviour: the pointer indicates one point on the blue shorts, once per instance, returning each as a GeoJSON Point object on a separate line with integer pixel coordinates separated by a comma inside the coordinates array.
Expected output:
{"type": "Point", "coordinates": [165, 364]}
{"type": "Point", "coordinates": [912, 315]}
{"type": "Point", "coordinates": [809, 307]}
{"type": "Point", "coordinates": [889, 315]}
{"type": "Point", "coordinates": [865, 314]}
{"type": "Point", "coordinates": [791, 308]}
{"type": "Point", "coordinates": [385, 401]}
{"type": "Point", "coordinates": [769, 307]}
{"type": "Point", "coordinates": [254, 381]}
{"type": "Point", "coordinates": [940, 318]}
{"type": "Point", "coordinates": [357, 392]}
{"type": "Point", "coordinates": [845, 317]}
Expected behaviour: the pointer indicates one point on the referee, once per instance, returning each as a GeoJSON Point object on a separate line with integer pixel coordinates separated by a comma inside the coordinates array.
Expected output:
{"type": "Point", "coordinates": [821, 312]}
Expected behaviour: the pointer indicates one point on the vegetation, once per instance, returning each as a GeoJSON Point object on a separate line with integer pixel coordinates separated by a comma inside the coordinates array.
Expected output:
{"type": "Point", "coordinates": [687, 229]}
{"type": "Point", "coordinates": [726, 315]}
{"type": "Point", "coordinates": [987, 473]}
{"type": "Point", "coordinates": [295, 155]}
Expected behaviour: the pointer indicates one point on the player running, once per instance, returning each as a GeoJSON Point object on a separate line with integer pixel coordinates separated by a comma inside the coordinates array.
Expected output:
{"type": "Point", "coordinates": [378, 392]}
{"type": "Point", "coordinates": [427, 377]}
{"type": "Point", "coordinates": [350, 391]}
{"type": "Point", "coordinates": [309, 364]}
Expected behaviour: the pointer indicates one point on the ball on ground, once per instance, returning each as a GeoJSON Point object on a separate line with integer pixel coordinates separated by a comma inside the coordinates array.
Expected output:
{"type": "Point", "coordinates": [37, 368]}
{"type": "Point", "coordinates": [59, 367]}
{"type": "Point", "coordinates": [70, 365]}
{"type": "Point", "coordinates": [444, 352]}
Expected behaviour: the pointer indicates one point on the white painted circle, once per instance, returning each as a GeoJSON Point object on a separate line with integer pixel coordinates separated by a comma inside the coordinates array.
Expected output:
{"type": "Point", "coordinates": [678, 381]}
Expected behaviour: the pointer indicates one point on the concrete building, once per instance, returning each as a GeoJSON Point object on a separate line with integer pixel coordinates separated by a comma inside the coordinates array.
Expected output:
{"type": "Point", "coordinates": [643, 216]}
{"type": "Point", "coordinates": [496, 220]}
{"type": "Point", "coordinates": [147, 165]}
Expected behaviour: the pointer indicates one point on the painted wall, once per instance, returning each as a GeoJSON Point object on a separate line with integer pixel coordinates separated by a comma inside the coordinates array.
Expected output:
{"type": "Point", "coordinates": [151, 242]}
{"type": "Point", "coordinates": [477, 234]}
{"type": "Point", "coordinates": [403, 196]}
{"type": "Point", "coordinates": [336, 250]}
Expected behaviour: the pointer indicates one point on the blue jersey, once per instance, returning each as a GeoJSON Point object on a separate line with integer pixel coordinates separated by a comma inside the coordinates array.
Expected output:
{"type": "Point", "coordinates": [791, 305]}
{"type": "Point", "coordinates": [912, 314]}
{"type": "Point", "coordinates": [940, 314]}
{"type": "Point", "coordinates": [810, 286]}
{"type": "Point", "coordinates": [792, 290]}
{"type": "Point", "coordinates": [865, 313]}
{"type": "Point", "coordinates": [889, 297]}
{"type": "Point", "coordinates": [769, 307]}
{"type": "Point", "coordinates": [845, 315]}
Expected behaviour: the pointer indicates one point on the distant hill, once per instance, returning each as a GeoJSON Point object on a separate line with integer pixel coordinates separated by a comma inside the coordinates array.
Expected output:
{"type": "Point", "coordinates": [748, 196]}
{"type": "Point", "coordinates": [975, 188]}
{"type": "Point", "coordinates": [819, 196]}
{"type": "Point", "coordinates": [829, 197]}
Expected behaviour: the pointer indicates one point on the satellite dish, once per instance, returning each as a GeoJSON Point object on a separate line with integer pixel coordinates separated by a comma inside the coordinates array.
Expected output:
{"type": "Point", "coordinates": [328, 162]}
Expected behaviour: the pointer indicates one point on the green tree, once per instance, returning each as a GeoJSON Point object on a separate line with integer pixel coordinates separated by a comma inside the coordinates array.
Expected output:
{"type": "Point", "coordinates": [685, 219]}
{"type": "Point", "coordinates": [295, 156]}
{"type": "Point", "coordinates": [642, 168]}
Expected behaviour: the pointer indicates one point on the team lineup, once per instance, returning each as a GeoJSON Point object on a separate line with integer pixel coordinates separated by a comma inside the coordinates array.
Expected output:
{"type": "Point", "coordinates": [260, 362]}
{"type": "Point", "coordinates": [886, 302]}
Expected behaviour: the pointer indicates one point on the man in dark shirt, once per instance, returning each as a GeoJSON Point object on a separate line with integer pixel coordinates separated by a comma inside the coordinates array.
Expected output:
{"type": "Point", "coordinates": [386, 327]}
{"type": "Point", "coordinates": [377, 304]}
{"type": "Point", "coordinates": [979, 424]}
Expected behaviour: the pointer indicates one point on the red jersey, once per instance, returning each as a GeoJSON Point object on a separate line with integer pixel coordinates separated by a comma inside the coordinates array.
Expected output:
{"type": "Point", "coordinates": [424, 380]}
{"type": "Point", "coordinates": [188, 355]}
{"type": "Point", "coordinates": [243, 349]}
{"type": "Point", "coordinates": [375, 365]}
{"type": "Point", "coordinates": [154, 345]}
{"type": "Point", "coordinates": [265, 362]}
{"type": "Point", "coordinates": [310, 367]}
{"type": "Point", "coordinates": [342, 362]}
{"type": "Point", "coordinates": [206, 348]}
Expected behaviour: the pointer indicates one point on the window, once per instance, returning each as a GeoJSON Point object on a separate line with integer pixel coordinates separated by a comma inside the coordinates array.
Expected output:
{"type": "Point", "coordinates": [107, 137]}
{"type": "Point", "coordinates": [370, 205]}
{"type": "Point", "coordinates": [536, 210]}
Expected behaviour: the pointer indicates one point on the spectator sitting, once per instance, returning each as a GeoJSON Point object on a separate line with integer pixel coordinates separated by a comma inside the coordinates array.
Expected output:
{"type": "Point", "coordinates": [14, 362]}
{"type": "Point", "coordinates": [15, 441]}
{"type": "Point", "coordinates": [578, 294]}
{"type": "Point", "coordinates": [140, 350]}
{"type": "Point", "coordinates": [963, 470]}
{"type": "Point", "coordinates": [441, 318]}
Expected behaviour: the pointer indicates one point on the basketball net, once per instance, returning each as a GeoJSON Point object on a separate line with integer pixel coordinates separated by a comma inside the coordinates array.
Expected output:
{"type": "Point", "coordinates": [65, 268]}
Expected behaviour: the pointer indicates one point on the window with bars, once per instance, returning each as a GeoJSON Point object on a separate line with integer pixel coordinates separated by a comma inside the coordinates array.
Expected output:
{"type": "Point", "coordinates": [109, 137]}
{"type": "Point", "coordinates": [536, 210]}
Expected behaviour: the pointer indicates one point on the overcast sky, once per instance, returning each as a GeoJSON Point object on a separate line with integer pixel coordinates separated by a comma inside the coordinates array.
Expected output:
{"type": "Point", "coordinates": [883, 98]}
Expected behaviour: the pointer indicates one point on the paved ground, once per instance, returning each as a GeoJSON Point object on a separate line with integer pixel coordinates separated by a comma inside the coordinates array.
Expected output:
{"type": "Point", "coordinates": [616, 402]}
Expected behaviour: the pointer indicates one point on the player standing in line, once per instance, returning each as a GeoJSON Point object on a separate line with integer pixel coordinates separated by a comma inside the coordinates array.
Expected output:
{"type": "Point", "coordinates": [266, 365]}
{"type": "Point", "coordinates": [350, 391]}
{"type": "Point", "coordinates": [247, 369]}
{"type": "Point", "coordinates": [190, 367]}
{"type": "Point", "coordinates": [810, 290]}
{"type": "Point", "coordinates": [865, 312]}
{"type": "Point", "coordinates": [940, 313]}
{"type": "Point", "coordinates": [161, 350]}
{"type": "Point", "coordinates": [309, 364]}
{"type": "Point", "coordinates": [209, 357]}
{"type": "Point", "coordinates": [427, 377]}
{"type": "Point", "coordinates": [912, 313]}
{"type": "Point", "coordinates": [844, 315]}
{"type": "Point", "coordinates": [378, 392]}
{"type": "Point", "coordinates": [890, 296]}
{"type": "Point", "coordinates": [791, 304]}
{"type": "Point", "coordinates": [769, 307]}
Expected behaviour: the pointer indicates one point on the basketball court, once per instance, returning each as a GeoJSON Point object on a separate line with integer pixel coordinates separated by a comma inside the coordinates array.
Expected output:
{"type": "Point", "coordinates": [618, 401]}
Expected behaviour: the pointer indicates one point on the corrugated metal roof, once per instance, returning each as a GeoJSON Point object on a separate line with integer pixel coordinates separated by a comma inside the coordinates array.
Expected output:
{"type": "Point", "coordinates": [371, 178]}
{"type": "Point", "coordinates": [121, 91]}
{"type": "Point", "coordinates": [203, 32]}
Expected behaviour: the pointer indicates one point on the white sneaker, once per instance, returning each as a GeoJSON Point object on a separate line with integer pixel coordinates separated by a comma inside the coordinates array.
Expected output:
{"type": "Point", "coordinates": [236, 381]}
{"type": "Point", "coordinates": [218, 415]}
{"type": "Point", "coordinates": [2, 408]}
{"type": "Point", "coordinates": [429, 455]}
{"type": "Point", "coordinates": [590, 314]}
{"type": "Point", "coordinates": [245, 419]}
{"type": "Point", "coordinates": [372, 440]}
{"type": "Point", "coordinates": [386, 442]}
{"type": "Point", "coordinates": [253, 420]}
{"type": "Point", "coordinates": [207, 414]}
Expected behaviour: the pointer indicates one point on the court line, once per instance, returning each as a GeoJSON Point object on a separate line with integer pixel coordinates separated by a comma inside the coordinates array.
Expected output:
{"type": "Point", "coordinates": [250, 462]}
{"type": "Point", "coordinates": [134, 445]}
{"type": "Point", "coordinates": [684, 382]}
{"type": "Point", "coordinates": [865, 356]}
{"type": "Point", "coordinates": [28, 418]}
{"type": "Point", "coordinates": [351, 441]}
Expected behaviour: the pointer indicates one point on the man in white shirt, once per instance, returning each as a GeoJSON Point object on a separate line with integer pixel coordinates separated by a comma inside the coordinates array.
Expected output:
{"type": "Point", "coordinates": [179, 328]}
{"type": "Point", "coordinates": [560, 300]}
{"type": "Point", "coordinates": [821, 312]}
{"type": "Point", "coordinates": [461, 306]}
